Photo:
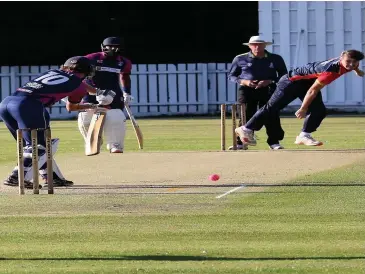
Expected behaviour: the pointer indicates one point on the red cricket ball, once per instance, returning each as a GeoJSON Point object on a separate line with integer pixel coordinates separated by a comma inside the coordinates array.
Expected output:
{"type": "Point", "coordinates": [214, 177]}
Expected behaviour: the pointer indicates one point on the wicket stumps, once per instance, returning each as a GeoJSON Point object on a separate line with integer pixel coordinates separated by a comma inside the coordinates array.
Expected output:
{"type": "Point", "coordinates": [35, 167]}
{"type": "Point", "coordinates": [242, 114]}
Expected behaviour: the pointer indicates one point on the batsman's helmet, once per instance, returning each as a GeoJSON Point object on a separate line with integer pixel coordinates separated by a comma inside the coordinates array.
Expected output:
{"type": "Point", "coordinates": [79, 64]}
{"type": "Point", "coordinates": [112, 46]}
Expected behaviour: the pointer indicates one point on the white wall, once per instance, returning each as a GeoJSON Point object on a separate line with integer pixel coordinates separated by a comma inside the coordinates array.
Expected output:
{"type": "Point", "coordinates": [313, 31]}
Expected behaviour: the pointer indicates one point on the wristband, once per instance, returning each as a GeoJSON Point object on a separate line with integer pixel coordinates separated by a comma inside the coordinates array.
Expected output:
{"type": "Point", "coordinates": [126, 89]}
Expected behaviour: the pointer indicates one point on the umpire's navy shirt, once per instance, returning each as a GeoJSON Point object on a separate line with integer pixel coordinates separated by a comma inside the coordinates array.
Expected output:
{"type": "Point", "coordinates": [248, 67]}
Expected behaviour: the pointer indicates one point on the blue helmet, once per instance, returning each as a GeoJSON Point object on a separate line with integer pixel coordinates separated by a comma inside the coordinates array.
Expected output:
{"type": "Point", "coordinates": [112, 46]}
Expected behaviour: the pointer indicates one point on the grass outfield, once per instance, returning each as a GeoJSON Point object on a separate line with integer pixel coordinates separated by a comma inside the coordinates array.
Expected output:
{"type": "Point", "coordinates": [271, 230]}
{"type": "Point", "coordinates": [200, 134]}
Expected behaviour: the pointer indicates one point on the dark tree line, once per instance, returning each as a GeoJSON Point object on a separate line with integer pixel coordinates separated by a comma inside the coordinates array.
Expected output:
{"type": "Point", "coordinates": [155, 32]}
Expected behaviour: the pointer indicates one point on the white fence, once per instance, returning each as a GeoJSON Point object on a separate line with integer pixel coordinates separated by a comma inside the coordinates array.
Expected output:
{"type": "Point", "coordinates": [163, 89]}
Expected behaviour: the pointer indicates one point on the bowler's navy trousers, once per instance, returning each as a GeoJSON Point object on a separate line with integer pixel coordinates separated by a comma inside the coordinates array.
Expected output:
{"type": "Point", "coordinates": [285, 93]}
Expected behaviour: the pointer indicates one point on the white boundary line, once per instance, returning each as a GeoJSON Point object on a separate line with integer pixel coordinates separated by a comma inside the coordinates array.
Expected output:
{"type": "Point", "coordinates": [230, 191]}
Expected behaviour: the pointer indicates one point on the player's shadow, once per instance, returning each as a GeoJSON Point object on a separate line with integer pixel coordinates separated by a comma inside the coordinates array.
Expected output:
{"type": "Point", "coordinates": [178, 258]}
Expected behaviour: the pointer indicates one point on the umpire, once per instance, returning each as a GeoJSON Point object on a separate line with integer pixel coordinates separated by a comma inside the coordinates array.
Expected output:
{"type": "Point", "coordinates": [257, 73]}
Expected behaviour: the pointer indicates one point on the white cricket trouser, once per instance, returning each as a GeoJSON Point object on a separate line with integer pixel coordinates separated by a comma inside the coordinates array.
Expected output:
{"type": "Point", "coordinates": [114, 127]}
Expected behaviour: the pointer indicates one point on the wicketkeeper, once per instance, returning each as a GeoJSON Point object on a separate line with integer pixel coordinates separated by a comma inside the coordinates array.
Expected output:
{"type": "Point", "coordinates": [26, 109]}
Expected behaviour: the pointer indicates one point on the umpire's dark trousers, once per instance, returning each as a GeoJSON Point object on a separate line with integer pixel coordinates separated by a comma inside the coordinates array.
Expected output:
{"type": "Point", "coordinates": [254, 98]}
{"type": "Point", "coordinates": [285, 93]}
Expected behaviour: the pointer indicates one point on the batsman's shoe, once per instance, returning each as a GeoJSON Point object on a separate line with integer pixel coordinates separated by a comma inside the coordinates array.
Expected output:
{"type": "Point", "coordinates": [247, 136]}
{"type": "Point", "coordinates": [239, 147]}
{"type": "Point", "coordinates": [12, 180]}
{"type": "Point", "coordinates": [116, 148]}
{"type": "Point", "coordinates": [276, 147]}
{"type": "Point", "coordinates": [57, 181]}
{"type": "Point", "coordinates": [307, 140]}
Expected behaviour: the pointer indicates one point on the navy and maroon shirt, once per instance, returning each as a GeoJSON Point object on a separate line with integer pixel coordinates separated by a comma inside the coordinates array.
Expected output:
{"type": "Point", "coordinates": [324, 72]}
{"type": "Point", "coordinates": [54, 85]}
{"type": "Point", "coordinates": [108, 71]}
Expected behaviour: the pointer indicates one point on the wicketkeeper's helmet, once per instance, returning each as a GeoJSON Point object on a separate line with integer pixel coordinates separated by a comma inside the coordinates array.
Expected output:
{"type": "Point", "coordinates": [80, 64]}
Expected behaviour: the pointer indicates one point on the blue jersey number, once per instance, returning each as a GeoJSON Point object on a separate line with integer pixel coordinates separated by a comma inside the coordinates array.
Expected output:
{"type": "Point", "coordinates": [52, 78]}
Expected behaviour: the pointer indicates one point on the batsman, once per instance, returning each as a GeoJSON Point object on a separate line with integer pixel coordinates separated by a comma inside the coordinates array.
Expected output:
{"type": "Point", "coordinates": [112, 72]}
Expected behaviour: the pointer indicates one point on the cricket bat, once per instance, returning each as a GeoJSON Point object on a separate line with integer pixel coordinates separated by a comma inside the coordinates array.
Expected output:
{"type": "Point", "coordinates": [135, 125]}
{"type": "Point", "coordinates": [94, 134]}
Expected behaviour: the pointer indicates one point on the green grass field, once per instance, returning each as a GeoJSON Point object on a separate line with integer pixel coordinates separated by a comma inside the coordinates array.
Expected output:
{"type": "Point", "coordinates": [274, 230]}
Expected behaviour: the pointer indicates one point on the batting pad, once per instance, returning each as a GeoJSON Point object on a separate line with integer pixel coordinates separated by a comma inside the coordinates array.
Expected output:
{"type": "Point", "coordinates": [42, 158]}
{"type": "Point", "coordinates": [56, 169]}
{"type": "Point", "coordinates": [83, 121]}
{"type": "Point", "coordinates": [115, 128]}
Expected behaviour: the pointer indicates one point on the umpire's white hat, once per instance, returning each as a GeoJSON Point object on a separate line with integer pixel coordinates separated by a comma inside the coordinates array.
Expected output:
{"type": "Point", "coordinates": [257, 40]}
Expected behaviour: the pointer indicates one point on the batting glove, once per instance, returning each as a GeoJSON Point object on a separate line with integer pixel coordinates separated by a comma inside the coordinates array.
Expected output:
{"type": "Point", "coordinates": [127, 98]}
{"type": "Point", "coordinates": [105, 97]}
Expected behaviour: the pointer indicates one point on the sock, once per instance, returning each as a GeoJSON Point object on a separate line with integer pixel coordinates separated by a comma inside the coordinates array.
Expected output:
{"type": "Point", "coordinates": [246, 129]}
{"type": "Point", "coordinates": [302, 134]}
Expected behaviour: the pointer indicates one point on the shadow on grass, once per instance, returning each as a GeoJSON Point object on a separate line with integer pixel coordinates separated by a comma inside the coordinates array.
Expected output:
{"type": "Point", "coordinates": [184, 258]}
{"type": "Point", "coordinates": [191, 185]}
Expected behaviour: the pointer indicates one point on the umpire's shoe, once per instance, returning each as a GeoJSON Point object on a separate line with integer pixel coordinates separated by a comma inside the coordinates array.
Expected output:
{"type": "Point", "coordinates": [58, 182]}
{"type": "Point", "coordinates": [276, 147]}
{"type": "Point", "coordinates": [239, 147]}
{"type": "Point", "coordinates": [12, 180]}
